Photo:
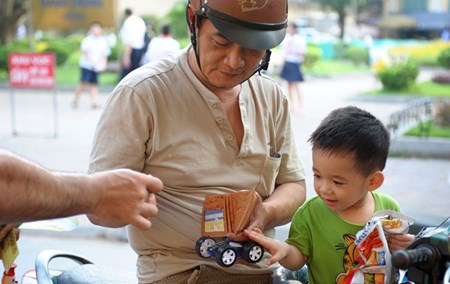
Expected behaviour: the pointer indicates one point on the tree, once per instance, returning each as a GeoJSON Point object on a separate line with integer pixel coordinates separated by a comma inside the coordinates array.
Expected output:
{"type": "Point", "coordinates": [342, 7]}
{"type": "Point", "coordinates": [10, 13]}
{"type": "Point", "coordinates": [177, 19]}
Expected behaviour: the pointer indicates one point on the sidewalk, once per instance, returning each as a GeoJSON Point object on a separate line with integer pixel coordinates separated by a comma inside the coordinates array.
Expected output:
{"type": "Point", "coordinates": [406, 178]}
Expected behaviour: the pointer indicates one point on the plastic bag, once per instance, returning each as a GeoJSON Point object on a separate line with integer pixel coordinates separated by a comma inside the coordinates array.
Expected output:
{"type": "Point", "coordinates": [374, 261]}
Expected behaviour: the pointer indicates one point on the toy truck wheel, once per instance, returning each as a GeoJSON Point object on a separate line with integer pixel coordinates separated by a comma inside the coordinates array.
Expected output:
{"type": "Point", "coordinates": [226, 256]}
{"type": "Point", "coordinates": [252, 252]}
{"type": "Point", "coordinates": [202, 245]}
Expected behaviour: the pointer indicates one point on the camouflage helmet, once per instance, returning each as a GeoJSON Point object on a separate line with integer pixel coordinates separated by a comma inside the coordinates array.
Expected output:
{"type": "Point", "coordinates": [254, 24]}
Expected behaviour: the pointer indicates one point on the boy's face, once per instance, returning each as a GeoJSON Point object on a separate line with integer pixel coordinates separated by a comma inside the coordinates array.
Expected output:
{"type": "Point", "coordinates": [338, 183]}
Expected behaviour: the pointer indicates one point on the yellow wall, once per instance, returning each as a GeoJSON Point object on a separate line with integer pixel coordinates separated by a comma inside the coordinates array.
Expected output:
{"type": "Point", "coordinates": [69, 15]}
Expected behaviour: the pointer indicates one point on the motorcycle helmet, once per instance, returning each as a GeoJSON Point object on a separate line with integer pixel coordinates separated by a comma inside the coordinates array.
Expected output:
{"type": "Point", "coordinates": [253, 24]}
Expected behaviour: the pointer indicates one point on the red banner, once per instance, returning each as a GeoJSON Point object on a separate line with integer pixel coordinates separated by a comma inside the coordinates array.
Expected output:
{"type": "Point", "coordinates": [31, 70]}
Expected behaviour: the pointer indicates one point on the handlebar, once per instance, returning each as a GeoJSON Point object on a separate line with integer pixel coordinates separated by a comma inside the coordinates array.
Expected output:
{"type": "Point", "coordinates": [424, 256]}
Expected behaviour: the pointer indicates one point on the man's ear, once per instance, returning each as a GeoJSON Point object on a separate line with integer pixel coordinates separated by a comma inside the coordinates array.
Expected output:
{"type": "Point", "coordinates": [375, 180]}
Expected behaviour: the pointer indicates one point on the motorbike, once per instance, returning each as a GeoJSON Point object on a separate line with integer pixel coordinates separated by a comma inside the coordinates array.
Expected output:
{"type": "Point", "coordinates": [427, 259]}
{"type": "Point", "coordinates": [83, 273]}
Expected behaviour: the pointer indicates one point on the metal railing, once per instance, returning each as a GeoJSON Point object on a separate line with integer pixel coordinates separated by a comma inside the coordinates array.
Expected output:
{"type": "Point", "coordinates": [418, 112]}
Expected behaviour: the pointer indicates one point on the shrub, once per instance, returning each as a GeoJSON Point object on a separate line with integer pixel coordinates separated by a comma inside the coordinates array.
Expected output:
{"type": "Point", "coordinates": [442, 112]}
{"type": "Point", "coordinates": [398, 76]}
{"type": "Point", "coordinates": [6, 49]}
{"type": "Point", "coordinates": [356, 54]}
{"type": "Point", "coordinates": [423, 53]}
{"type": "Point", "coordinates": [441, 78]}
{"type": "Point", "coordinates": [313, 54]}
{"type": "Point", "coordinates": [444, 58]}
{"type": "Point", "coordinates": [61, 54]}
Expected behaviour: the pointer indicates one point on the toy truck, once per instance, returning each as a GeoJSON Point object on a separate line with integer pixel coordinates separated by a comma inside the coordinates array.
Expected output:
{"type": "Point", "coordinates": [223, 214]}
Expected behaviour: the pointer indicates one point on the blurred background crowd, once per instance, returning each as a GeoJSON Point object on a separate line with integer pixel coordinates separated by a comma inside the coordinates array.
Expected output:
{"type": "Point", "coordinates": [341, 35]}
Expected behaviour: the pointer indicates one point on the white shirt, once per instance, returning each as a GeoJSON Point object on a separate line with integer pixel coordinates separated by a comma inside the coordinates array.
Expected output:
{"type": "Point", "coordinates": [161, 47]}
{"type": "Point", "coordinates": [132, 32]}
{"type": "Point", "coordinates": [95, 52]}
{"type": "Point", "coordinates": [294, 47]}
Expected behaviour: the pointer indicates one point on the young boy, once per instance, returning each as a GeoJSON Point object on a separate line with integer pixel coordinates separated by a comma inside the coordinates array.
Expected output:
{"type": "Point", "coordinates": [349, 148]}
{"type": "Point", "coordinates": [95, 51]}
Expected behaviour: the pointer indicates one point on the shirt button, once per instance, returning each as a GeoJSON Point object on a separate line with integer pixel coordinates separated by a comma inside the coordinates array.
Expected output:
{"type": "Point", "coordinates": [230, 137]}
{"type": "Point", "coordinates": [220, 120]}
{"type": "Point", "coordinates": [215, 105]}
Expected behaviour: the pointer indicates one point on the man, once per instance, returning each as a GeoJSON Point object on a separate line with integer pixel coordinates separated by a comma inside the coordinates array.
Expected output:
{"type": "Point", "coordinates": [30, 192]}
{"type": "Point", "coordinates": [205, 122]}
{"type": "Point", "coordinates": [132, 33]}
{"type": "Point", "coordinates": [161, 46]}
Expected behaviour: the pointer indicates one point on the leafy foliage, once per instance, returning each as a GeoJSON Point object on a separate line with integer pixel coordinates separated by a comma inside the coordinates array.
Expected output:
{"type": "Point", "coordinates": [444, 58]}
{"type": "Point", "coordinates": [398, 76]}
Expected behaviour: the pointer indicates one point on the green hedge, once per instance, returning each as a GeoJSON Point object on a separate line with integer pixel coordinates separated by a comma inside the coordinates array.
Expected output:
{"type": "Point", "coordinates": [399, 76]}
{"type": "Point", "coordinates": [444, 58]}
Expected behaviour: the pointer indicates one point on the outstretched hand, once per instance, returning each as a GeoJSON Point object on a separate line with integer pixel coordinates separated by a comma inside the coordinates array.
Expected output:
{"type": "Point", "coordinates": [287, 255]}
{"type": "Point", "coordinates": [274, 247]}
{"type": "Point", "coordinates": [126, 197]}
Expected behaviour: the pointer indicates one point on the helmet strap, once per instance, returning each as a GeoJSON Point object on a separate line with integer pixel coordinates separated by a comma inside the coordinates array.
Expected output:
{"type": "Point", "coordinates": [194, 26]}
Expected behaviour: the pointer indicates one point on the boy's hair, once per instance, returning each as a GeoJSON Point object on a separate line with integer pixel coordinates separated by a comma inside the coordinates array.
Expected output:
{"type": "Point", "coordinates": [350, 130]}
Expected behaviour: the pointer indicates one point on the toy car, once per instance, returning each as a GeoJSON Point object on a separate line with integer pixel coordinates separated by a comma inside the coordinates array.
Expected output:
{"type": "Point", "coordinates": [227, 251]}
{"type": "Point", "coordinates": [223, 214]}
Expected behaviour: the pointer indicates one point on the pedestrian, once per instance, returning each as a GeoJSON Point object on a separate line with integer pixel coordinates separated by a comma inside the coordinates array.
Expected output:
{"type": "Point", "coordinates": [161, 46]}
{"type": "Point", "coordinates": [95, 51]}
{"type": "Point", "coordinates": [30, 192]}
{"type": "Point", "coordinates": [349, 151]}
{"type": "Point", "coordinates": [133, 33]}
{"type": "Point", "coordinates": [206, 121]}
{"type": "Point", "coordinates": [294, 49]}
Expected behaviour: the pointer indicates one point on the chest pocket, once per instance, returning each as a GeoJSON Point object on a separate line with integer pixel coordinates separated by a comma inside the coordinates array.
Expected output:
{"type": "Point", "coordinates": [269, 174]}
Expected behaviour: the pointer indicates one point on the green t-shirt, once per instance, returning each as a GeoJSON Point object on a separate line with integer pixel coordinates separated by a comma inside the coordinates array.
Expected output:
{"type": "Point", "coordinates": [327, 240]}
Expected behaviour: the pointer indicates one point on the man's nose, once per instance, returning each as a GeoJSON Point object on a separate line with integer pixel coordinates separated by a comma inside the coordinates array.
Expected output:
{"type": "Point", "coordinates": [234, 58]}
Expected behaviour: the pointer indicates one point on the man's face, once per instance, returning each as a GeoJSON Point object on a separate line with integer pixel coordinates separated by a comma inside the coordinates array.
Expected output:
{"type": "Point", "coordinates": [224, 64]}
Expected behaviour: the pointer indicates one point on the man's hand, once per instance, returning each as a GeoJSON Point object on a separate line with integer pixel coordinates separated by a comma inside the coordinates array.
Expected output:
{"type": "Point", "coordinates": [399, 241]}
{"type": "Point", "coordinates": [125, 197]}
{"type": "Point", "coordinates": [257, 220]}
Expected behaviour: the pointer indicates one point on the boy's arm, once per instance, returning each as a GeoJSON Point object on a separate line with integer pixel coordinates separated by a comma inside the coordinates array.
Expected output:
{"type": "Point", "coordinates": [287, 255]}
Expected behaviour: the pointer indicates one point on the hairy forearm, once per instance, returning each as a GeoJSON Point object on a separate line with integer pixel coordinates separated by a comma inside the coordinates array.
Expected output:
{"type": "Point", "coordinates": [30, 192]}
{"type": "Point", "coordinates": [283, 203]}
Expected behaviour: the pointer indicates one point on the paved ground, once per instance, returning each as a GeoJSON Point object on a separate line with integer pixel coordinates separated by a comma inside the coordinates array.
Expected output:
{"type": "Point", "coordinates": [422, 186]}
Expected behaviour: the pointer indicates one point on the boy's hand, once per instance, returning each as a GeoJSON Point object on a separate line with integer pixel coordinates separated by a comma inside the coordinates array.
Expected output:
{"type": "Point", "coordinates": [274, 247]}
{"type": "Point", "coordinates": [399, 241]}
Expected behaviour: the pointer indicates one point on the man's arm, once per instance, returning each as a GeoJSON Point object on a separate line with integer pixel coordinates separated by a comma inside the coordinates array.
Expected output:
{"type": "Point", "coordinates": [279, 207]}
{"type": "Point", "coordinates": [115, 198]}
{"type": "Point", "coordinates": [282, 204]}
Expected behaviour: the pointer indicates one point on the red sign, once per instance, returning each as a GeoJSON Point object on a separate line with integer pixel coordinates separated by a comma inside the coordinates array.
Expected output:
{"type": "Point", "coordinates": [31, 70]}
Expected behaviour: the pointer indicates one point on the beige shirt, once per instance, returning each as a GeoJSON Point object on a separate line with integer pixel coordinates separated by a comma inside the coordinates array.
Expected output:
{"type": "Point", "coordinates": [161, 120]}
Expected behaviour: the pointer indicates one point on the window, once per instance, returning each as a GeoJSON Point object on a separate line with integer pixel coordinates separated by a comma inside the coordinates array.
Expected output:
{"type": "Point", "coordinates": [415, 6]}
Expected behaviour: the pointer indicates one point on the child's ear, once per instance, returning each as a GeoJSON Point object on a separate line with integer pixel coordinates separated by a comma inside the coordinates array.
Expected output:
{"type": "Point", "coordinates": [375, 180]}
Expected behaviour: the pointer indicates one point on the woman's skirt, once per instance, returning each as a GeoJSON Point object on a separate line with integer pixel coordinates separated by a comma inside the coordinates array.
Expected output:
{"type": "Point", "coordinates": [291, 72]}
